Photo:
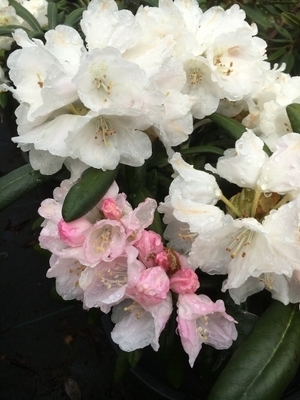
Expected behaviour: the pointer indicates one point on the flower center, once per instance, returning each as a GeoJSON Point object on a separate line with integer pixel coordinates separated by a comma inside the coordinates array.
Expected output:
{"type": "Point", "coordinates": [105, 129]}
{"type": "Point", "coordinates": [195, 76]}
{"type": "Point", "coordinates": [114, 277]}
{"type": "Point", "coordinates": [239, 242]}
{"type": "Point", "coordinates": [102, 238]}
{"type": "Point", "coordinates": [223, 62]}
{"type": "Point", "coordinates": [201, 327]}
{"type": "Point", "coordinates": [136, 309]}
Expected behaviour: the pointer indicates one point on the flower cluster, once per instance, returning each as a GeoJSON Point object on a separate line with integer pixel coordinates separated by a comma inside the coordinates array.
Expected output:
{"type": "Point", "coordinates": [133, 79]}
{"type": "Point", "coordinates": [108, 260]}
{"type": "Point", "coordinates": [256, 243]}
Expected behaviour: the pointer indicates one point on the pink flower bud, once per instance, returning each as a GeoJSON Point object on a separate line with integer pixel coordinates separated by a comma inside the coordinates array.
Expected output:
{"type": "Point", "coordinates": [110, 209]}
{"type": "Point", "coordinates": [72, 232]}
{"type": "Point", "coordinates": [151, 288]}
{"type": "Point", "coordinates": [184, 281]}
{"type": "Point", "coordinates": [149, 245]}
{"type": "Point", "coordinates": [162, 260]}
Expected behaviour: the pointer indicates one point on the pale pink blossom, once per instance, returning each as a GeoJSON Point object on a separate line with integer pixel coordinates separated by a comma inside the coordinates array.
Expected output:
{"type": "Point", "coordinates": [136, 326]}
{"type": "Point", "coordinates": [104, 241]}
{"type": "Point", "coordinates": [200, 320]}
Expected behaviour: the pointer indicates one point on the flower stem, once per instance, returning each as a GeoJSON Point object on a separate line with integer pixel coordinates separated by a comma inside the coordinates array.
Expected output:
{"type": "Point", "coordinates": [255, 202]}
{"type": "Point", "coordinates": [230, 205]}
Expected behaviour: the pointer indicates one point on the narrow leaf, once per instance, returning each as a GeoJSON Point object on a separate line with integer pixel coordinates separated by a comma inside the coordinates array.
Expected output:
{"type": "Point", "coordinates": [9, 29]}
{"type": "Point", "coordinates": [233, 127]}
{"type": "Point", "coordinates": [290, 19]}
{"type": "Point", "coordinates": [18, 183]}
{"type": "Point", "coordinates": [74, 17]}
{"type": "Point", "coordinates": [86, 193]}
{"type": "Point", "coordinates": [267, 360]}
{"type": "Point", "coordinates": [203, 149]}
{"type": "Point", "coordinates": [52, 14]}
{"type": "Point", "coordinates": [26, 15]}
{"type": "Point", "coordinates": [293, 112]}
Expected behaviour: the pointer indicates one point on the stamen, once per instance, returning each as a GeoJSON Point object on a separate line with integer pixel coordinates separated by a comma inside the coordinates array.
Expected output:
{"type": "Point", "coordinates": [104, 129]}
{"type": "Point", "coordinates": [201, 324]}
{"type": "Point", "coordinates": [195, 76]}
{"type": "Point", "coordinates": [240, 242]}
{"type": "Point", "coordinates": [268, 280]}
{"type": "Point", "coordinates": [102, 239]}
{"type": "Point", "coordinates": [114, 277]}
{"type": "Point", "coordinates": [136, 309]}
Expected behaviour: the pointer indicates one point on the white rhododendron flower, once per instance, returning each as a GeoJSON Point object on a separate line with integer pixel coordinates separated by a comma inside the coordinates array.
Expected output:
{"type": "Point", "coordinates": [256, 244]}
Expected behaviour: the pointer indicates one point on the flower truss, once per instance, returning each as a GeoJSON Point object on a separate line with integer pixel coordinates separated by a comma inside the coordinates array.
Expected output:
{"type": "Point", "coordinates": [109, 260]}
{"type": "Point", "coordinates": [180, 109]}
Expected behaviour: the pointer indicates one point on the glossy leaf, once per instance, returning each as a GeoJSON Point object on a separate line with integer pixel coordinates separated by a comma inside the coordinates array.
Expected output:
{"type": "Point", "coordinates": [86, 193]}
{"type": "Point", "coordinates": [231, 126]}
{"type": "Point", "coordinates": [267, 360]}
{"type": "Point", "coordinates": [18, 183]}
{"type": "Point", "coordinates": [293, 112]}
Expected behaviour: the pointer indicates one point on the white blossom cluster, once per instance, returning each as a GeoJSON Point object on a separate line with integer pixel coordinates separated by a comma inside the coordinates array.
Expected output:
{"type": "Point", "coordinates": [133, 78]}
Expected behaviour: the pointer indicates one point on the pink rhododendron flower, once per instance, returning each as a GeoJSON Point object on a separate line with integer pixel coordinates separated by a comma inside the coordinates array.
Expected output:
{"type": "Point", "coordinates": [200, 320]}
{"type": "Point", "coordinates": [104, 241]}
{"type": "Point", "coordinates": [184, 281]}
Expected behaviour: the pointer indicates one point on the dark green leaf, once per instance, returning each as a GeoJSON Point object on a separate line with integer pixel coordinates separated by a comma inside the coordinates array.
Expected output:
{"type": "Point", "coordinates": [264, 364]}
{"type": "Point", "coordinates": [74, 17]}
{"type": "Point", "coordinates": [277, 53]}
{"type": "Point", "coordinates": [9, 29]}
{"type": "Point", "coordinates": [86, 193]}
{"type": "Point", "coordinates": [257, 16]}
{"type": "Point", "coordinates": [121, 367]}
{"type": "Point", "coordinates": [134, 357]}
{"type": "Point", "coordinates": [203, 149]}
{"type": "Point", "coordinates": [233, 127]}
{"type": "Point", "coordinates": [52, 14]}
{"type": "Point", "coordinates": [26, 15]}
{"type": "Point", "coordinates": [290, 19]}
{"type": "Point", "coordinates": [18, 183]}
{"type": "Point", "coordinates": [293, 112]}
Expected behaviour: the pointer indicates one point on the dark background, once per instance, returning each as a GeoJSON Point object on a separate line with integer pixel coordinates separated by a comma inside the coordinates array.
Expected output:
{"type": "Point", "coordinates": [48, 348]}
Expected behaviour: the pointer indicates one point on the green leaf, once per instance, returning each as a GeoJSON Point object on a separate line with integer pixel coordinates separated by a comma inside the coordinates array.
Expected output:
{"type": "Point", "coordinates": [18, 183]}
{"type": "Point", "coordinates": [293, 112]}
{"type": "Point", "coordinates": [74, 17]}
{"type": "Point", "coordinates": [9, 29]}
{"type": "Point", "coordinates": [257, 16]}
{"type": "Point", "coordinates": [233, 127]}
{"type": "Point", "coordinates": [52, 14]}
{"type": "Point", "coordinates": [290, 19]}
{"type": "Point", "coordinates": [264, 364]}
{"type": "Point", "coordinates": [86, 193]}
{"type": "Point", "coordinates": [203, 149]}
{"type": "Point", "coordinates": [3, 99]}
{"type": "Point", "coordinates": [134, 357]}
{"type": "Point", "coordinates": [26, 15]}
